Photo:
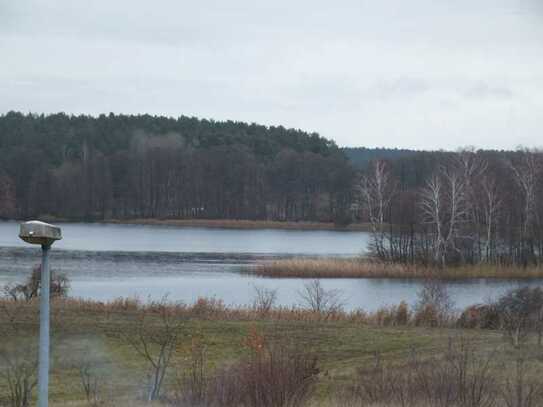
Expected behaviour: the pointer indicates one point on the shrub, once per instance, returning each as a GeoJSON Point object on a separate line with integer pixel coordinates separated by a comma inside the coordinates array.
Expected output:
{"type": "Point", "coordinates": [519, 391]}
{"type": "Point", "coordinates": [427, 315]}
{"type": "Point", "coordinates": [434, 306]}
{"type": "Point", "coordinates": [485, 316]}
{"type": "Point", "coordinates": [31, 288]}
{"type": "Point", "coordinates": [192, 387]}
{"type": "Point", "coordinates": [264, 300]}
{"type": "Point", "coordinates": [402, 314]}
{"type": "Point", "coordinates": [458, 378]}
{"type": "Point", "coordinates": [520, 312]}
{"type": "Point", "coordinates": [206, 308]}
{"type": "Point", "coordinates": [272, 375]}
{"type": "Point", "coordinates": [319, 300]}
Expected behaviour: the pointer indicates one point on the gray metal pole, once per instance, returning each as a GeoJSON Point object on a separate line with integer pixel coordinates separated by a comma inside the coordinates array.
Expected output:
{"type": "Point", "coordinates": [43, 374]}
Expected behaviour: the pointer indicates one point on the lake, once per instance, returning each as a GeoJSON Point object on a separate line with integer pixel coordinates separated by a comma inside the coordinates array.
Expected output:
{"type": "Point", "coordinates": [107, 261]}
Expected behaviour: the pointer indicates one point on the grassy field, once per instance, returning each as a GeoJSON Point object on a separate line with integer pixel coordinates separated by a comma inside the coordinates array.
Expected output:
{"type": "Point", "coordinates": [364, 268]}
{"type": "Point", "coordinates": [92, 333]}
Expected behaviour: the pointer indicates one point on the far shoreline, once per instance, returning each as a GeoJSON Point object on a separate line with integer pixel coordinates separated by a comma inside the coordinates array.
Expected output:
{"type": "Point", "coordinates": [214, 223]}
{"type": "Point", "coordinates": [227, 224]}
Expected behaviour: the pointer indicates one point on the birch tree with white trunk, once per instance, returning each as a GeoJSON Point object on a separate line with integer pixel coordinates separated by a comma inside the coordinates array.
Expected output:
{"type": "Point", "coordinates": [377, 188]}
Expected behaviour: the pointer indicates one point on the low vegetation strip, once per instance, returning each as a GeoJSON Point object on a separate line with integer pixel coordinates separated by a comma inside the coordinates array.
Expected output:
{"type": "Point", "coordinates": [205, 354]}
{"type": "Point", "coordinates": [364, 268]}
{"type": "Point", "coordinates": [208, 355]}
{"type": "Point", "coordinates": [244, 224]}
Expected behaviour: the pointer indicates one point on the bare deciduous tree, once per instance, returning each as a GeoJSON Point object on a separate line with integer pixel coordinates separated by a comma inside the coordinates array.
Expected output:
{"type": "Point", "coordinates": [444, 208]}
{"type": "Point", "coordinates": [30, 289]}
{"type": "Point", "coordinates": [155, 338]}
{"type": "Point", "coordinates": [526, 173]}
{"type": "Point", "coordinates": [491, 203]}
{"type": "Point", "coordinates": [377, 188]}
{"type": "Point", "coordinates": [520, 313]}
{"type": "Point", "coordinates": [264, 299]}
{"type": "Point", "coordinates": [315, 297]}
{"type": "Point", "coordinates": [432, 206]}
{"type": "Point", "coordinates": [90, 382]}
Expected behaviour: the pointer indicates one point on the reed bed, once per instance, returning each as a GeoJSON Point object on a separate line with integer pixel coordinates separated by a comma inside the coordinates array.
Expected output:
{"type": "Point", "coordinates": [366, 268]}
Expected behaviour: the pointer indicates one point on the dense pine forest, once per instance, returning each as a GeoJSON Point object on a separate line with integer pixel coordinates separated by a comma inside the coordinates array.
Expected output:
{"type": "Point", "coordinates": [118, 166]}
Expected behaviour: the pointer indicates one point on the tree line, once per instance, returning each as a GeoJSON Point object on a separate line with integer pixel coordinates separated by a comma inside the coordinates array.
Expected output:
{"type": "Point", "coordinates": [446, 208]}
{"type": "Point", "coordinates": [119, 166]}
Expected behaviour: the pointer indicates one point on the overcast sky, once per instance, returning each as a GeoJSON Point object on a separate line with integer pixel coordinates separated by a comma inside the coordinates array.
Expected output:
{"type": "Point", "coordinates": [396, 73]}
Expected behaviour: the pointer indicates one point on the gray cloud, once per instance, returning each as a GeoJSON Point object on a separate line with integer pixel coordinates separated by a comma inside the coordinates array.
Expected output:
{"type": "Point", "coordinates": [422, 74]}
{"type": "Point", "coordinates": [484, 91]}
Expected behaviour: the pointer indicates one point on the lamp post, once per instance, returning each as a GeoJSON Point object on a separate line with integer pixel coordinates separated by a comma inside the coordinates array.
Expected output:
{"type": "Point", "coordinates": [36, 232]}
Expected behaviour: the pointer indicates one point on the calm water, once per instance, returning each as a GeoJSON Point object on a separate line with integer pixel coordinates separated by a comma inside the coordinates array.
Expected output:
{"type": "Point", "coordinates": [147, 238]}
{"type": "Point", "coordinates": [110, 261]}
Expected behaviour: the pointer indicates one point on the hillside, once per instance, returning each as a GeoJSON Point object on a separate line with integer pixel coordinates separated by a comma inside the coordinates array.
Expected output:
{"type": "Point", "coordinates": [119, 166]}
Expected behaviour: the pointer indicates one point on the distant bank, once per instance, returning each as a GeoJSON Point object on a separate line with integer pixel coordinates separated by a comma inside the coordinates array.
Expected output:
{"type": "Point", "coordinates": [243, 224]}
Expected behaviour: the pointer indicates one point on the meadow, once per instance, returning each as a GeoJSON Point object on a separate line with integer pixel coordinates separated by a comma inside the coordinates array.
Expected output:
{"type": "Point", "coordinates": [96, 359]}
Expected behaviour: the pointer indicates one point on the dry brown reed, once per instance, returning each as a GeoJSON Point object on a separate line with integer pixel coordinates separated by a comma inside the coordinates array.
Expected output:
{"type": "Point", "coordinates": [203, 309]}
{"type": "Point", "coordinates": [366, 268]}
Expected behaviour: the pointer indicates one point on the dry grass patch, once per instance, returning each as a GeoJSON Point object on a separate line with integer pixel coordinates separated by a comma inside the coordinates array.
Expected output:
{"type": "Point", "coordinates": [365, 268]}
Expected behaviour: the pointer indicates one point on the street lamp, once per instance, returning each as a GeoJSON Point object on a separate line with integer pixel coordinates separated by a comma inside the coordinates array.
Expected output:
{"type": "Point", "coordinates": [36, 232]}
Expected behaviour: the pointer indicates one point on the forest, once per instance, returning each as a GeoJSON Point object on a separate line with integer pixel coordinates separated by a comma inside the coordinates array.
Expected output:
{"type": "Point", "coordinates": [119, 167]}
{"type": "Point", "coordinates": [466, 207]}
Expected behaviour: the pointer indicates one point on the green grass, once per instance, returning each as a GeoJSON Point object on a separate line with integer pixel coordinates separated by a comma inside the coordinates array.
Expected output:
{"type": "Point", "coordinates": [342, 347]}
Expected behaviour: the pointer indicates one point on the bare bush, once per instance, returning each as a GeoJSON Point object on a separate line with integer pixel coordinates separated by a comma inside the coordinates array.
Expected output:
{"type": "Point", "coordinates": [18, 368]}
{"type": "Point", "coordinates": [459, 378]}
{"type": "Point", "coordinates": [18, 359]}
{"type": "Point", "coordinates": [272, 375]}
{"type": "Point", "coordinates": [519, 391]}
{"type": "Point", "coordinates": [192, 384]}
{"type": "Point", "coordinates": [276, 375]}
{"type": "Point", "coordinates": [90, 382]}
{"type": "Point", "coordinates": [434, 305]}
{"type": "Point", "coordinates": [319, 300]}
{"type": "Point", "coordinates": [395, 315]}
{"type": "Point", "coordinates": [264, 299]}
{"type": "Point", "coordinates": [520, 312]}
{"type": "Point", "coordinates": [484, 316]}
{"type": "Point", "coordinates": [207, 308]}
{"type": "Point", "coordinates": [30, 289]}
{"type": "Point", "coordinates": [155, 339]}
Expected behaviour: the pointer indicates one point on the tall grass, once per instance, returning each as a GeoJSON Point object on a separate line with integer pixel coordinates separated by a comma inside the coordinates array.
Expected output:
{"type": "Point", "coordinates": [79, 310]}
{"type": "Point", "coordinates": [366, 268]}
